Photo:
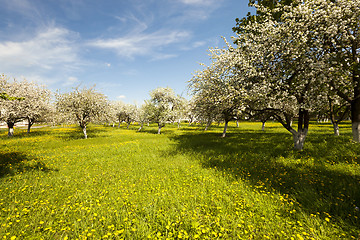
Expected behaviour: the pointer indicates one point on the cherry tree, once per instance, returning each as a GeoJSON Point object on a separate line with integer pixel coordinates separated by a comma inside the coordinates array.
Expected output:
{"type": "Point", "coordinates": [82, 106]}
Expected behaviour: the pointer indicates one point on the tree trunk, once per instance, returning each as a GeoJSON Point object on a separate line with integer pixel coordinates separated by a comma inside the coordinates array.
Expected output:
{"type": "Point", "coordinates": [299, 138]}
{"type": "Point", "coordinates": [10, 129]}
{"type": "Point", "coordinates": [336, 129]}
{"type": "Point", "coordinates": [237, 123]}
{"type": "Point", "coordinates": [355, 119]}
{"type": "Point", "coordinates": [208, 125]}
{"type": "Point", "coordinates": [159, 130]}
{"type": "Point", "coordinates": [128, 125]}
{"type": "Point", "coordinates": [263, 126]}
{"type": "Point", "coordinates": [303, 126]}
{"type": "Point", "coordinates": [84, 131]}
{"type": "Point", "coordinates": [141, 126]}
{"type": "Point", "coordinates": [179, 123]}
{"type": "Point", "coordinates": [225, 128]}
{"type": "Point", "coordinates": [30, 123]}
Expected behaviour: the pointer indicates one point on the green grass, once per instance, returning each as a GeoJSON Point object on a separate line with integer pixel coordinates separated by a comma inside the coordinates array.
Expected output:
{"type": "Point", "coordinates": [182, 184]}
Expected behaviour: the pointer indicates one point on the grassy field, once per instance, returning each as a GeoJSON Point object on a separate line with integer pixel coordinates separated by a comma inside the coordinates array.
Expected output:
{"type": "Point", "coordinates": [182, 184]}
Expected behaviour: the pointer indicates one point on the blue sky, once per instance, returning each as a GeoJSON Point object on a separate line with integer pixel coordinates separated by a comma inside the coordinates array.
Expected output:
{"type": "Point", "coordinates": [125, 47]}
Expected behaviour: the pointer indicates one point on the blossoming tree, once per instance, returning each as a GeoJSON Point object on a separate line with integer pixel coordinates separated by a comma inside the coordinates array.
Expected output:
{"type": "Point", "coordinates": [82, 106]}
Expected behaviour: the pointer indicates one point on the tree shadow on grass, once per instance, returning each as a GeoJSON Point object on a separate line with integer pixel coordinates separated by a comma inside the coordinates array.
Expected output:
{"type": "Point", "coordinates": [12, 163]}
{"type": "Point", "coordinates": [22, 132]}
{"type": "Point", "coordinates": [74, 133]}
{"type": "Point", "coordinates": [268, 158]}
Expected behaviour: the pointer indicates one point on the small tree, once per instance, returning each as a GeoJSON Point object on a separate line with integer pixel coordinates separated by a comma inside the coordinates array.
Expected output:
{"type": "Point", "coordinates": [142, 114]}
{"type": "Point", "coordinates": [82, 106]}
{"type": "Point", "coordinates": [125, 112]}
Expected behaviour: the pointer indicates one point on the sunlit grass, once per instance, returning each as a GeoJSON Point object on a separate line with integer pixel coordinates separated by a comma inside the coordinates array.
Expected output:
{"type": "Point", "coordinates": [182, 184]}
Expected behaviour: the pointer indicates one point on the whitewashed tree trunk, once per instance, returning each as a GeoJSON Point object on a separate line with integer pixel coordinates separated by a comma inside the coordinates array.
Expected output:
{"type": "Point", "coordinates": [159, 130]}
{"type": "Point", "coordinates": [141, 126]}
{"type": "Point", "coordinates": [11, 132]}
{"type": "Point", "coordinates": [225, 128]}
{"type": "Point", "coordinates": [263, 126]}
{"type": "Point", "coordinates": [128, 126]}
{"type": "Point", "coordinates": [336, 128]}
{"type": "Point", "coordinates": [299, 138]}
{"type": "Point", "coordinates": [237, 123]}
{"type": "Point", "coordinates": [179, 123]}
{"type": "Point", "coordinates": [356, 131]}
{"type": "Point", "coordinates": [84, 131]}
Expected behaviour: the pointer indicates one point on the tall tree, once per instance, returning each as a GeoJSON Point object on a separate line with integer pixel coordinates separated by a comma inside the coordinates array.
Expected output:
{"type": "Point", "coordinates": [312, 47]}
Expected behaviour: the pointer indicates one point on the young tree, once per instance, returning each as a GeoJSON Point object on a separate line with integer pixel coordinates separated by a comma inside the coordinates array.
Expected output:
{"type": "Point", "coordinates": [143, 114]}
{"type": "Point", "coordinates": [82, 106]}
{"type": "Point", "coordinates": [125, 112]}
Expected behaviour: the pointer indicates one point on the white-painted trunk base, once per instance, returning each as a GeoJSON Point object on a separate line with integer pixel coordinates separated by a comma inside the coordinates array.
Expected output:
{"type": "Point", "coordinates": [84, 131]}
{"type": "Point", "coordinates": [299, 139]}
{"type": "Point", "coordinates": [356, 131]}
{"type": "Point", "coordinates": [141, 126]}
{"type": "Point", "coordinates": [225, 129]}
{"type": "Point", "coordinates": [336, 129]}
{"type": "Point", "coordinates": [11, 132]}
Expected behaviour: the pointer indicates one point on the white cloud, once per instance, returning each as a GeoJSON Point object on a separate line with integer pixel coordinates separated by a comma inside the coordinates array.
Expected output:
{"type": "Point", "coordinates": [71, 81]}
{"type": "Point", "coordinates": [121, 97]}
{"type": "Point", "coordinates": [141, 44]}
{"type": "Point", "coordinates": [46, 50]}
{"type": "Point", "coordinates": [49, 51]}
{"type": "Point", "coordinates": [199, 44]}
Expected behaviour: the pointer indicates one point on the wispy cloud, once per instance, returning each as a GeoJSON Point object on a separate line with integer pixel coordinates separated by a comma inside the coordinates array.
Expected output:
{"type": "Point", "coordinates": [70, 81]}
{"type": "Point", "coordinates": [52, 49]}
{"type": "Point", "coordinates": [142, 44]}
{"type": "Point", "coordinates": [121, 97]}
